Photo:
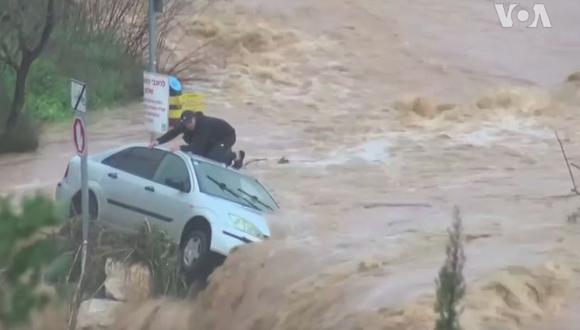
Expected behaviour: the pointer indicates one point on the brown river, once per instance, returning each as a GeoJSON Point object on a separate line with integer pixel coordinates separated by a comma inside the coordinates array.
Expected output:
{"type": "Point", "coordinates": [390, 114]}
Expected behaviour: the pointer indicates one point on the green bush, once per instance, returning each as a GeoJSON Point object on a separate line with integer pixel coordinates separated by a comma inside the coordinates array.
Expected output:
{"type": "Point", "coordinates": [47, 94]}
{"type": "Point", "coordinates": [112, 76]}
{"type": "Point", "coordinates": [26, 249]}
{"type": "Point", "coordinates": [451, 283]}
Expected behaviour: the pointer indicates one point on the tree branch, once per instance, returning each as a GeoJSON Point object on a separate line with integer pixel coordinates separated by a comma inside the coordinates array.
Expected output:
{"type": "Point", "coordinates": [6, 56]}
{"type": "Point", "coordinates": [574, 187]}
{"type": "Point", "coordinates": [46, 31]}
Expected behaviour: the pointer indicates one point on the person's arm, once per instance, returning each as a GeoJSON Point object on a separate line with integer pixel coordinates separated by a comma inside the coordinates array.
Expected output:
{"type": "Point", "coordinates": [171, 134]}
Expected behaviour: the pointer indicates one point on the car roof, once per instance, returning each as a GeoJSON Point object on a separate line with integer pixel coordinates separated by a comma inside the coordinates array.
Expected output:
{"type": "Point", "coordinates": [187, 154]}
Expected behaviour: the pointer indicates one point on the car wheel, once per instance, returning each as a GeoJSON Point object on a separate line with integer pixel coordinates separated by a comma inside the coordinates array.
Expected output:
{"type": "Point", "coordinates": [76, 208]}
{"type": "Point", "coordinates": [195, 254]}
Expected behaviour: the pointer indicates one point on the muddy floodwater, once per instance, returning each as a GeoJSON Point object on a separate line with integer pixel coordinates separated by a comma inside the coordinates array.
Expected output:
{"type": "Point", "coordinates": [390, 114]}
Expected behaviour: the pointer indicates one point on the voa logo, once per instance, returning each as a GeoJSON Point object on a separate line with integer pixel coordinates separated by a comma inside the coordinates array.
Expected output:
{"type": "Point", "coordinates": [536, 17]}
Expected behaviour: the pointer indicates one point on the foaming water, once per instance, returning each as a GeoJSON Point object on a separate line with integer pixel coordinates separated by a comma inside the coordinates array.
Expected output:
{"type": "Point", "coordinates": [371, 152]}
{"type": "Point", "coordinates": [508, 128]}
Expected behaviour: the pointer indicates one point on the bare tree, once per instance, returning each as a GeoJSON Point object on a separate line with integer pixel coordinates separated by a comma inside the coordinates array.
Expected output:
{"type": "Point", "coordinates": [26, 28]}
{"type": "Point", "coordinates": [127, 19]}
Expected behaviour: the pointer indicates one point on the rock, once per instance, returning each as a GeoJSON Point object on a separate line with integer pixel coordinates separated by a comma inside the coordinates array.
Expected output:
{"type": "Point", "coordinates": [424, 107]}
{"type": "Point", "coordinates": [574, 77]}
{"type": "Point", "coordinates": [95, 314]}
{"type": "Point", "coordinates": [283, 160]}
{"type": "Point", "coordinates": [574, 217]}
{"type": "Point", "coordinates": [484, 103]}
{"type": "Point", "coordinates": [127, 283]}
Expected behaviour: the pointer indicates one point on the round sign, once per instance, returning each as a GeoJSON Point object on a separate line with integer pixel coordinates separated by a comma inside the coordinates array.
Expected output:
{"type": "Point", "coordinates": [175, 84]}
{"type": "Point", "coordinates": [79, 135]}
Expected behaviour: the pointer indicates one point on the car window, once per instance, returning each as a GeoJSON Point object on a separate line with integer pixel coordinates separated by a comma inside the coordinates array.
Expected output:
{"type": "Point", "coordinates": [173, 171]}
{"type": "Point", "coordinates": [139, 161]}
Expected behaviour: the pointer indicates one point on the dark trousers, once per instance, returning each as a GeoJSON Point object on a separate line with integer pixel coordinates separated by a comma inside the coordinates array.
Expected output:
{"type": "Point", "coordinates": [220, 151]}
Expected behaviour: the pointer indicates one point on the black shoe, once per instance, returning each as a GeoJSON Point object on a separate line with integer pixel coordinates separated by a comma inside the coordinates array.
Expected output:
{"type": "Point", "coordinates": [239, 162]}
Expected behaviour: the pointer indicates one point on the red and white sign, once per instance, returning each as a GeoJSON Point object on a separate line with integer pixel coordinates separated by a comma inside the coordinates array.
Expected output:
{"type": "Point", "coordinates": [156, 101]}
{"type": "Point", "coordinates": [79, 136]}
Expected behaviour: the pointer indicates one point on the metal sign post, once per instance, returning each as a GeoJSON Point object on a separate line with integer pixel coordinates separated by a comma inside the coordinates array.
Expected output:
{"type": "Point", "coordinates": [153, 8]}
{"type": "Point", "coordinates": [79, 105]}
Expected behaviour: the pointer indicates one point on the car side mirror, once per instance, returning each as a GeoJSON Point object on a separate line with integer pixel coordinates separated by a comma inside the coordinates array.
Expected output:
{"type": "Point", "coordinates": [179, 185]}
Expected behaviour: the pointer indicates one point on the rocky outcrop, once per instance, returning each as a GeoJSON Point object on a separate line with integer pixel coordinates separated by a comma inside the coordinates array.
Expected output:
{"type": "Point", "coordinates": [127, 282]}
{"type": "Point", "coordinates": [96, 314]}
{"type": "Point", "coordinates": [124, 283]}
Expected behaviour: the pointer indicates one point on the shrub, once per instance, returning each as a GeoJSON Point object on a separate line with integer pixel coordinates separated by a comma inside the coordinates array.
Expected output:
{"type": "Point", "coordinates": [99, 60]}
{"type": "Point", "coordinates": [47, 94]}
{"type": "Point", "coordinates": [451, 284]}
{"type": "Point", "coordinates": [26, 249]}
{"type": "Point", "coordinates": [128, 18]}
{"type": "Point", "coordinates": [149, 246]}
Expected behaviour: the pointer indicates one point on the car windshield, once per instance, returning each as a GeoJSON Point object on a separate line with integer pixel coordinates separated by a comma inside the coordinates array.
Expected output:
{"type": "Point", "coordinates": [218, 181]}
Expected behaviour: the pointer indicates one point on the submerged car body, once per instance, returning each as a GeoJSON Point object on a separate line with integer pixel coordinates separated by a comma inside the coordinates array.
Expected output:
{"type": "Point", "coordinates": [202, 205]}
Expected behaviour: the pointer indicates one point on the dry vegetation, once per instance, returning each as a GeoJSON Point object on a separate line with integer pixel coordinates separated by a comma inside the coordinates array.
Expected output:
{"type": "Point", "coordinates": [129, 19]}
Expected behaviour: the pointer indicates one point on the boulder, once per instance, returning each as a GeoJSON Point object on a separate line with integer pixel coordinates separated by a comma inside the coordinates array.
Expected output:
{"type": "Point", "coordinates": [127, 282]}
{"type": "Point", "coordinates": [96, 314]}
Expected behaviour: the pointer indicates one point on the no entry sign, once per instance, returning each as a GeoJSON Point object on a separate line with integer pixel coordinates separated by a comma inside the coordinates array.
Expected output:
{"type": "Point", "coordinates": [79, 132]}
{"type": "Point", "coordinates": [79, 136]}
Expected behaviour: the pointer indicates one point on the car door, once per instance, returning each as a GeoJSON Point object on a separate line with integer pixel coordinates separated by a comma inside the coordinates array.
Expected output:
{"type": "Point", "coordinates": [129, 172]}
{"type": "Point", "coordinates": [169, 201]}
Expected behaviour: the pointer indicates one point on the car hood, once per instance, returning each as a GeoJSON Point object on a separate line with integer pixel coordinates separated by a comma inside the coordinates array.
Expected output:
{"type": "Point", "coordinates": [228, 209]}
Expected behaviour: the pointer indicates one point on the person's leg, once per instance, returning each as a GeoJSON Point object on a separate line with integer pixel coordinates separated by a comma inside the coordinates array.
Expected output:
{"type": "Point", "coordinates": [221, 153]}
{"type": "Point", "coordinates": [190, 148]}
{"type": "Point", "coordinates": [239, 160]}
{"type": "Point", "coordinates": [236, 159]}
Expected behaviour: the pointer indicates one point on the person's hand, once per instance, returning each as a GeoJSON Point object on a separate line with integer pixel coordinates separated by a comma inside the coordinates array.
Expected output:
{"type": "Point", "coordinates": [153, 144]}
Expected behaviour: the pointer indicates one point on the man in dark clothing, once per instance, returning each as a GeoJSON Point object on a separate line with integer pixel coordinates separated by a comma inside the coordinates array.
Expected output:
{"type": "Point", "coordinates": [205, 136]}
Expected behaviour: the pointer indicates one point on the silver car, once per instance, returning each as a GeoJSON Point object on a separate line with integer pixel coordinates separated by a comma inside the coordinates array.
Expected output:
{"type": "Point", "coordinates": [206, 208]}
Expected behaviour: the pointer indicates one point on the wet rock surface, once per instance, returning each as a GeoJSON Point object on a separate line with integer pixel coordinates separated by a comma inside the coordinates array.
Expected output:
{"type": "Point", "coordinates": [97, 314]}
